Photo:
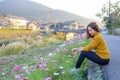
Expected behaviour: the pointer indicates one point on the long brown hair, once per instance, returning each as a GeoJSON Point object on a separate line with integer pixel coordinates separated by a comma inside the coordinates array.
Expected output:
{"type": "Point", "coordinates": [94, 26]}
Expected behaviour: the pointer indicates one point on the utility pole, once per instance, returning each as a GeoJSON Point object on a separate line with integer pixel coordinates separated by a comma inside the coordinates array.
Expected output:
{"type": "Point", "coordinates": [110, 27]}
{"type": "Point", "coordinates": [48, 16]}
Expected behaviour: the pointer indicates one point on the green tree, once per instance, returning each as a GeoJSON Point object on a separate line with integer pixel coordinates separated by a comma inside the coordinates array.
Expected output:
{"type": "Point", "coordinates": [110, 14]}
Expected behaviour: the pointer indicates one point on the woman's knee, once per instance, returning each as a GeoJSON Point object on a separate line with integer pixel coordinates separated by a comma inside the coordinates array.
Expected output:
{"type": "Point", "coordinates": [88, 54]}
{"type": "Point", "coordinates": [84, 52]}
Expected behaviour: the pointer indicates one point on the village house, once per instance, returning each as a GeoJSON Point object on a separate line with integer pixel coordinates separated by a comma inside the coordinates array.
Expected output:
{"type": "Point", "coordinates": [14, 22]}
{"type": "Point", "coordinates": [32, 25]}
{"type": "Point", "coordinates": [47, 27]}
{"type": "Point", "coordinates": [68, 24]}
{"type": "Point", "coordinates": [4, 21]}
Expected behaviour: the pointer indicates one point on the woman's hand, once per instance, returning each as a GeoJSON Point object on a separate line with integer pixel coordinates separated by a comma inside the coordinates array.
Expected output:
{"type": "Point", "coordinates": [75, 49]}
{"type": "Point", "coordinates": [80, 49]}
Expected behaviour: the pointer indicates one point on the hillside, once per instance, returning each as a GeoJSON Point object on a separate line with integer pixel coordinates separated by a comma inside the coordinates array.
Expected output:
{"type": "Point", "coordinates": [34, 11]}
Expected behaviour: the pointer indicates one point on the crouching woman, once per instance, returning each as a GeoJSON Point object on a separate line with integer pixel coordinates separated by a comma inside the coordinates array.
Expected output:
{"type": "Point", "coordinates": [101, 55]}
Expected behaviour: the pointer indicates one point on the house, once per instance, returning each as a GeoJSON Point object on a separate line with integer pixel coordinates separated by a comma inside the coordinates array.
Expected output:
{"type": "Point", "coordinates": [47, 27]}
{"type": "Point", "coordinates": [32, 25]}
{"type": "Point", "coordinates": [71, 24]}
{"type": "Point", "coordinates": [4, 21]}
{"type": "Point", "coordinates": [8, 21]}
{"type": "Point", "coordinates": [68, 24]}
{"type": "Point", "coordinates": [15, 22]}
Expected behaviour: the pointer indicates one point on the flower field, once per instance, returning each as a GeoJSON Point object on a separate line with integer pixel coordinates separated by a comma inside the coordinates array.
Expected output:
{"type": "Point", "coordinates": [48, 60]}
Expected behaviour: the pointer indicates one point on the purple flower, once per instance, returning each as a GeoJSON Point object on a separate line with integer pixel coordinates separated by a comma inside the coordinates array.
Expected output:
{"type": "Point", "coordinates": [27, 71]}
{"type": "Point", "coordinates": [16, 68]}
{"type": "Point", "coordinates": [42, 65]}
{"type": "Point", "coordinates": [71, 42]}
{"type": "Point", "coordinates": [18, 77]}
{"type": "Point", "coordinates": [48, 78]}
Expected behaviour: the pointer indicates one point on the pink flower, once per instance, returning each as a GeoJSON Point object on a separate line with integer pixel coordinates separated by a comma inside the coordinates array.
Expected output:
{"type": "Point", "coordinates": [79, 38]}
{"type": "Point", "coordinates": [24, 79]}
{"type": "Point", "coordinates": [65, 50]}
{"type": "Point", "coordinates": [71, 42]}
{"type": "Point", "coordinates": [16, 68]}
{"type": "Point", "coordinates": [42, 65]}
{"type": "Point", "coordinates": [48, 78]}
{"type": "Point", "coordinates": [27, 71]}
{"type": "Point", "coordinates": [18, 77]}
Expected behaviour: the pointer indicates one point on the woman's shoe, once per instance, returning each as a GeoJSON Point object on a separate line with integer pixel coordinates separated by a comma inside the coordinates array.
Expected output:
{"type": "Point", "coordinates": [74, 70]}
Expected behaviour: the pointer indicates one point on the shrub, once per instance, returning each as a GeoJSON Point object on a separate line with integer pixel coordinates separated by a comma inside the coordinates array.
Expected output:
{"type": "Point", "coordinates": [13, 48]}
{"type": "Point", "coordinates": [116, 31]}
{"type": "Point", "coordinates": [60, 36]}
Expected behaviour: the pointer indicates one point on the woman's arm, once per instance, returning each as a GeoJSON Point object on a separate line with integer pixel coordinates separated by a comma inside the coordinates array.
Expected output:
{"type": "Point", "coordinates": [93, 44]}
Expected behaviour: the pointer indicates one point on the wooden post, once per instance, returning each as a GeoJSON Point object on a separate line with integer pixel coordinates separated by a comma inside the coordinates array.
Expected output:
{"type": "Point", "coordinates": [65, 32]}
{"type": "Point", "coordinates": [64, 36]}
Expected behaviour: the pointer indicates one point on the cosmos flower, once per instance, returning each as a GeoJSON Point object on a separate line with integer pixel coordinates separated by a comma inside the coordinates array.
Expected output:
{"type": "Point", "coordinates": [17, 77]}
{"type": "Point", "coordinates": [60, 67]}
{"type": "Point", "coordinates": [27, 71]}
{"type": "Point", "coordinates": [24, 79]}
{"type": "Point", "coordinates": [55, 73]}
{"type": "Point", "coordinates": [48, 78]}
{"type": "Point", "coordinates": [16, 68]}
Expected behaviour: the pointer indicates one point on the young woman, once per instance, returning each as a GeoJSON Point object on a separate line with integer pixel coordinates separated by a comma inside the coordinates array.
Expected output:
{"type": "Point", "coordinates": [101, 55]}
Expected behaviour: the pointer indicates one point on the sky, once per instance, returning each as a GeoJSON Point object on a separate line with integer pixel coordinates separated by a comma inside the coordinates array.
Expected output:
{"type": "Point", "coordinates": [84, 8]}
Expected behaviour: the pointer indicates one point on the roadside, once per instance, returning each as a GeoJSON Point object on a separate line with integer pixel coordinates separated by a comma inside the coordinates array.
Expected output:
{"type": "Point", "coordinates": [112, 70]}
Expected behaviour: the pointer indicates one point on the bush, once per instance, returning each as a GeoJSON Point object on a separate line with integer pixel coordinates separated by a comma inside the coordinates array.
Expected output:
{"type": "Point", "coordinates": [116, 31]}
{"type": "Point", "coordinates": [60, 36]}
{"type": "Point", "coordinates": [13, 48]}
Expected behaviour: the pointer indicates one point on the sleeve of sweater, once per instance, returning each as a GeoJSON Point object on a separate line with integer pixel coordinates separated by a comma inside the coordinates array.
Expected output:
{"type": "Point", "coordinates": [93, 44]}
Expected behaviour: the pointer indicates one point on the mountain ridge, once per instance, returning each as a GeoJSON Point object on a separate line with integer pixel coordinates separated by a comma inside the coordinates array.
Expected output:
{"type": "Point", "coordinates": [36, 11]}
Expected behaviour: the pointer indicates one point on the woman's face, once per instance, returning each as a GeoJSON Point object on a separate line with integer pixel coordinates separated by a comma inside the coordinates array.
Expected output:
{"type": "Point", "coordinates": [91, 31]}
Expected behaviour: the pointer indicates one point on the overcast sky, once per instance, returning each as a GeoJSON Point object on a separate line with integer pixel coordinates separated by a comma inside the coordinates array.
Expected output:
{"type": "Point", "coordinates": [85, 8]}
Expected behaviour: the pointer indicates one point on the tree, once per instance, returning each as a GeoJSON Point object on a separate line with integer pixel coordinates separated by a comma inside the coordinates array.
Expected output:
{"type": "Point", "coordinates": [110, 15]}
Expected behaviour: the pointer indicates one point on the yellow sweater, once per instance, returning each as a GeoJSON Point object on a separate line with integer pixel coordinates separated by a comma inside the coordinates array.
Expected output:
{"type": "Point", "coordinates": [98, 43]}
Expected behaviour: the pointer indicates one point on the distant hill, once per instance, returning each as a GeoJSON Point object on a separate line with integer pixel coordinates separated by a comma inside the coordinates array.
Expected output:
{"type": "Point", "coordinates": [38, 12]}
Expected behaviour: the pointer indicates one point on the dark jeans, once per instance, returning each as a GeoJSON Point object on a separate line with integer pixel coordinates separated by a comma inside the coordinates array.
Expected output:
{"type": "Point", "coordinates": [91, 56]}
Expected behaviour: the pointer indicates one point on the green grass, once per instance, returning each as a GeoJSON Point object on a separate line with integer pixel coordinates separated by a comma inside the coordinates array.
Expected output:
{"type": "Point", "coordinates": [26, 59]}
{"type": "Point", "coordinates": [56, 60]}
{"type": "Point", "coordinates": [66, 61]}
{"type": "Point", "coordinates": [98, 73]}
